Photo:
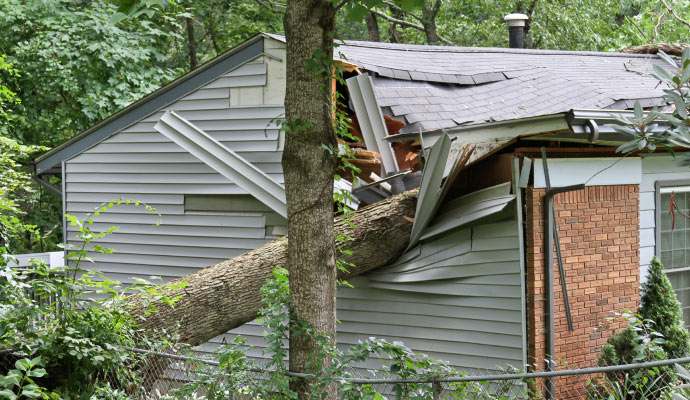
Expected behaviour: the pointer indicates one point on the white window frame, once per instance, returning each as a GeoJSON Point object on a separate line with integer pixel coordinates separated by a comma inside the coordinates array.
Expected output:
{"type": "Point", "coordinates": [662, 187]}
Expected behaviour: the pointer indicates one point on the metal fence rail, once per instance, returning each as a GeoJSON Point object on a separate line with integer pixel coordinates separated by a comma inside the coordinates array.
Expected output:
{"type": "Point", "coordinates": [644, 380]}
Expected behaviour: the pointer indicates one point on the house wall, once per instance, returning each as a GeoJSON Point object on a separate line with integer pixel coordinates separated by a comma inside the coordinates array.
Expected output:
{"type": "Point", "coordinates": [240, 109]}
{"type": "Point", "coordinates": [598, 228]}
{"type": "Point", "coordinates": [458, 300]}
{"type": "Point", "coordinates": [655, 167]}
{"type": "Point", "coordinates": [472, 317]}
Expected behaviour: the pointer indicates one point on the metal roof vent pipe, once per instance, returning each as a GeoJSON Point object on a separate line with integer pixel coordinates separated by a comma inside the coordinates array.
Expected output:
{"type": "Point", "coordinates": [516, 26]}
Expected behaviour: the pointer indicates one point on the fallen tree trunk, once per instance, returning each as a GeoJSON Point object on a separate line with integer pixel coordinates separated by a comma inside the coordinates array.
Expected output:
{"type": "Point", "coordinates": [226, 295]}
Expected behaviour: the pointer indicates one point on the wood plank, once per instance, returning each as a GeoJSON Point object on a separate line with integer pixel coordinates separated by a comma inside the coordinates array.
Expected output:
{"type": "Point", "coordinates": [240, 220]}
{"type": "Point", "coordinates": [162, 188]}
{"type": "Point", "coordinates": [395, 307]}
{"type": "Point", "coordinates": [407, 297]}
{"type": "Point", "coordinates": [202, 93]}
{"type": "Point", "coordinates": [169, 147]}
{"type": "Point", "coordinates": [237, 81]}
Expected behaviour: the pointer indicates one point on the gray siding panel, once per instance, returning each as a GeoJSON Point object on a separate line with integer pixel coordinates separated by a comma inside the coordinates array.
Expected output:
{"type": "Point", "coordinates": [655, 167]}
{"type": "Point", "coordinates": [458, 299]}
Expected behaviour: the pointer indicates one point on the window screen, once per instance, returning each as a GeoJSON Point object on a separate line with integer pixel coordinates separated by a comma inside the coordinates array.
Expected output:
{"type": "Point", "coordinates": [674, 243]}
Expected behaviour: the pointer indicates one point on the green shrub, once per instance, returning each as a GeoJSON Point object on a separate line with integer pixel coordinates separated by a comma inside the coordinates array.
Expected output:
{"type": "Point", "coordinates": [658, 303]}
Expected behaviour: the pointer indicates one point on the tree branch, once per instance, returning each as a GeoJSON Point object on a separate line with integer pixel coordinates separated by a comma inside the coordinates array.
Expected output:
{"type": "Point", "coordinates": [395, 6]}
{"type": "Point", "coordinates": [675, 14]}
{"type": "Point", "coordinates": [408, 24]}
{"type": "Point", "coordinates": [274, 8]}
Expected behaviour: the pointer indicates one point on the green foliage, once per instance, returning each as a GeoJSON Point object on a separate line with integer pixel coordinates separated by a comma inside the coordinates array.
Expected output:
{"type": "Point", "coordinates": [17, 196]}
{"type": "Point", "coordinates": [78, 65]}
{"type": "Point", "coordinates": [643, 129]}
{"type": "Point", "coordinates": [638, 342]}
{"type": "Point", "coordinates": [65, 345]}
{"type": "Point", "coordinates": [601, 25]}
{"type": "Point", "coordinates": [659, 303]}
{"type": "Point", "coordinates": [239, 374]}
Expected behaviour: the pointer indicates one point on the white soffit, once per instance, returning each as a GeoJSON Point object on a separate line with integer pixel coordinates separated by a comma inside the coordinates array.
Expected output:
{"type": "Point", "coordinates": [223, 160]}
{"type": "Point", "coordinates": [371, 120]}
{"type": "Point", "coordinates": [590, 171]}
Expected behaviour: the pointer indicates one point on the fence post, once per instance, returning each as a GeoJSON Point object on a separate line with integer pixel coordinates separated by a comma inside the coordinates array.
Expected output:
{"type": "Point", "coordinates": [437, 389]}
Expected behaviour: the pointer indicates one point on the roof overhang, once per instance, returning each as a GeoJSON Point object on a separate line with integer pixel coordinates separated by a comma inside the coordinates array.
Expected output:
{"type": "Point", "coordinates": [51, 161]}
{"type": "Point", "coordinates": [575, 126]}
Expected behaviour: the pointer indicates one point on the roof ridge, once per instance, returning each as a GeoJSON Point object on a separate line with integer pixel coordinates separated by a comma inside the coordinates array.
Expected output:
{"type": "Point", "coordinates": [459, 49]}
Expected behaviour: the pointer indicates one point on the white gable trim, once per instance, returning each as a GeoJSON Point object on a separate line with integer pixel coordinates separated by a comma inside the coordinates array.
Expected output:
{"type": "Point", "coordinates": [223, 160]}
{"type": "Point", "coordinates": [590, 171]}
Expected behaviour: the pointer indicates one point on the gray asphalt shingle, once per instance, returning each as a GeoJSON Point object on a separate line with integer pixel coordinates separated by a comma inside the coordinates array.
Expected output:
{"type": "Point", "coordinates": [435, 87]}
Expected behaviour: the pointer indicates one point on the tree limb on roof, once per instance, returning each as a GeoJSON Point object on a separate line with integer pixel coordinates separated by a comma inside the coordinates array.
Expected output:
{"type": "Point", "coordinates": [674, 49]}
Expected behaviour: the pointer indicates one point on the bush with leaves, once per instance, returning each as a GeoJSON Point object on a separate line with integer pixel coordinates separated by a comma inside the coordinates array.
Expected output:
{"type": "Point", "coordinates": [637, 342]}
{"type": "Point", "coordinates": [659, 303]}
{"type": "Point", "coordinates": [65, 344]}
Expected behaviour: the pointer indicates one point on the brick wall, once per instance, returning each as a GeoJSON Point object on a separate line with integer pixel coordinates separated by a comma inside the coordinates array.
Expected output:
{"type": "Point", "coordinates": [599, 236]}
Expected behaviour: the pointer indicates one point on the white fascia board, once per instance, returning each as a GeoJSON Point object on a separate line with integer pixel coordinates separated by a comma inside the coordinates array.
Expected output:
{"type": "Point", "coordinates": [223, 160]}
{"type": "Point", "coordinates": [589, 170]}
{"type": "Point", "coordinates": [371, 121]}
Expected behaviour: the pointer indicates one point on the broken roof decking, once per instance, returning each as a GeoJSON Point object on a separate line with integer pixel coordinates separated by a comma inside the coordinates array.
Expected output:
{"type": "Point", "coordinates": [436, 87]}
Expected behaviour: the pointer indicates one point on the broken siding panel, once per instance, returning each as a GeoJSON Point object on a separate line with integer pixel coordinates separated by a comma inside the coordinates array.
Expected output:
{"type": "Point", "coordinates": [655, 167]}
{"type": "Point", "coordinates": [459, 298]}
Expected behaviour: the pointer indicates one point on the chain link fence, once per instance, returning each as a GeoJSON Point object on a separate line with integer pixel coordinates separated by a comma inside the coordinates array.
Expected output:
{"type": "Point", "coordinates": [180, 375]}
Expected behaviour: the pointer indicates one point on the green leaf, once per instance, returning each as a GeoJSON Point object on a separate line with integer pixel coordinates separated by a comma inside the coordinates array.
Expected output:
{"type": "Point", "coordinates": [639, 112]}
{"type": "Point", "coordinates": [662, 74]}
{"type": "Point", "coordinates": [7, 394]}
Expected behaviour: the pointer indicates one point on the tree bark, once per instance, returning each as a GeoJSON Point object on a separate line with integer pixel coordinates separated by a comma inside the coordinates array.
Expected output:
{"type": "Point", "coordinates": [309, 170]}
{"type": "Point", "coordinates": [429, 13]}
{"type": "Point", "coordinates": [226, 295]}
{"type": "Point", "coordinates": [193, 61]}
{"type": "Point", "coordinates": [394, 35]}
{"type": "Point", "coordinates": [373, 27]}
{"type": "Point", "coordinates": [674, 49]}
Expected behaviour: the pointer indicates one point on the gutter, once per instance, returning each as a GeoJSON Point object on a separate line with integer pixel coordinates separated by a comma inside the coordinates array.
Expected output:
{"type": "Point", "coordinates": [36, 177]}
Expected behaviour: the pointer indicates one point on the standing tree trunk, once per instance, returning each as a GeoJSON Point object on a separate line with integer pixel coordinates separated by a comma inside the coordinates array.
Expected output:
{"type": "Point", "coordinates": [373, 27]}
{"type": "Point", "coordinates": [429, 13]}
{"type": "Point", "coordinates": [193, 62]}
{"type": "Point", "coordinates": [309, 170]}
{"type": "Point", "coordinates": [394, 35]}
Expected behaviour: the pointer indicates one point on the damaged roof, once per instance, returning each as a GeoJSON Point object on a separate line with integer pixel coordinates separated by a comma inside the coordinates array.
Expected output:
{"type": "Point", "coordinates": [438, 87]}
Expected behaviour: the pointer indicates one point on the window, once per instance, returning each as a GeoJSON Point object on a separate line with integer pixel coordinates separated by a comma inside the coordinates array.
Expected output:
{"type": "Point", "coordinates": [673, 239]}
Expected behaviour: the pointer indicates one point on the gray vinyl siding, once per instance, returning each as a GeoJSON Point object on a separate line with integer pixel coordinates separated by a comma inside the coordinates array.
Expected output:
{"type": "Point", "coordinates": [458, 300]}
{"type": "Point", "coordinates": [655, 167]}
{"type": "Point", "coordinates": [240, 109]}
{"type": "Point", "coordinates": [469, 315]}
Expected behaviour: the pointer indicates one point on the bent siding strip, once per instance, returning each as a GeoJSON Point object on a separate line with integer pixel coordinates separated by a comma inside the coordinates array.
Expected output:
{"type": "Point", "coordinates": [225, 161]}
{"type": "Point", "coordinates": [457, 295]}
